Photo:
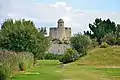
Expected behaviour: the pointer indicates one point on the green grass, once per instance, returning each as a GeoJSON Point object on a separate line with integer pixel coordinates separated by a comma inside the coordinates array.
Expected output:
{"type": "Point", "coordinates": [110, 71]}
{"type": "Point", "coordinates": [53, 70]}
{"type": "Point", "coordinates": [44, 70]}
{"type": "Point", "coordinates": [99, 64]}
{"type": "Point", "coordinates": [79, 72]}
{"type": "Point", "coordinates": [102, 56]}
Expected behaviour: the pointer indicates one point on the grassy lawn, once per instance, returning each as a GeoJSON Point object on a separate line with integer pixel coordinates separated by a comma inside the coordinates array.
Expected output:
{"type": "Point", "coordinates": [112, 73]}
{"type": "Point", "coordinates": [53, 70]}
{"type": "Point", "coordinates": [98, 64]}
{"type": "Point", "coordinates": [44, 70]}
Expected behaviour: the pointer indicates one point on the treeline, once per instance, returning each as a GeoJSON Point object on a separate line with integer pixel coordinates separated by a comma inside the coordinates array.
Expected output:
{"type": "Point", "coordinates": [104, 31]}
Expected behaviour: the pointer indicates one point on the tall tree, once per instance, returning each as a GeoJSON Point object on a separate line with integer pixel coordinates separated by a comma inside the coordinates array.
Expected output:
{"type": "Point", "coordinates": [100, 28]}
{"type": "Point", "coordinates": [21, 35]}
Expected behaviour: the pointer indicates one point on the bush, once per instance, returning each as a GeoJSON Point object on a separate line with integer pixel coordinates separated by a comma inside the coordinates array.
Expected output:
{"type": "Point", "coordinates": [69, 56]}
{"type": "Point", "coordinates": [80, 43]}
{"type": "Point", "coordinates": [110, 39]}
{"type": "Point", "coordinates": [94, 43]}
{"type": "Point", "coordinates": [12, 62]}
{"type": "Point", "coordinates": [118, 41]}
{"type": "Point", "coordinates": [104, 45]}
{"type": "Point", "coordinates": [51, 56]}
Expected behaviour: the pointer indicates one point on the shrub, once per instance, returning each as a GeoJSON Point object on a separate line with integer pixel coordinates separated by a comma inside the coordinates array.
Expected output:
{"type": "Point", "coordinates": [94, 43]}
{"type": "Point", "coordinates": [11, 62]}
{"type": "Point", "coordinates": [110, 39]}
{"type": "Point", "coordinates": [51, 56]}
{"type": "Point", "coordinates": [118, 41]}
{"type": "Point", "coordinates": [69, 56]}
{"type": "Point", "coordinates": [104, 45]}
{"type": "Point", "coordinates": [80, 43]}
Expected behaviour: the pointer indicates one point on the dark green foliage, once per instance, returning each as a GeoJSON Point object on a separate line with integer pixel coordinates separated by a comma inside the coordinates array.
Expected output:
{"type": "Point", "coordinates": [110, 39]}
{"type": "Point", "coordinates": [104, 45]}
{"type": "Point", "coordinates": [10, 62]}
{"type": "Point", "coordinates": [80, 43]}
{"type": "Point", "coordinates": [69, 56]}
{"type": "Point", "coordinates": [43, 30]}
{"type": "Point", "coordinates": [118, 41]}
{"type": "Point", "coordinates": [100, 28]}
{"type": "Point", "coordinates": [51, 56]}
{"type": "Point", "coordinates": [118, 30]}
{"type": "Point", "coordinates": [118, 35]}
{"type": "Point", "coordinates": [22, 35]}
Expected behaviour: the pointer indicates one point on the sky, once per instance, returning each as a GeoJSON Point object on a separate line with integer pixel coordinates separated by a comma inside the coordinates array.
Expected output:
{"type": "Point", "coordinates": [76, 14]}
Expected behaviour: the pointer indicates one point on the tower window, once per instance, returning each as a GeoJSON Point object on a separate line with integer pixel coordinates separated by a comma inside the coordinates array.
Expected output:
{"type": "Point", "coordinates": [60, 24]}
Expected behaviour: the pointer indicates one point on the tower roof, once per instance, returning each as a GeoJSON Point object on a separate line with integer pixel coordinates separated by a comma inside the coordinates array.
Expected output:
{"type": "Point", "coordinates": [60, 21]}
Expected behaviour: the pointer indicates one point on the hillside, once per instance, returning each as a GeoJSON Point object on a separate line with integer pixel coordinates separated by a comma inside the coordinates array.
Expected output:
{"type": "Point", "coordinates": [102, 56]}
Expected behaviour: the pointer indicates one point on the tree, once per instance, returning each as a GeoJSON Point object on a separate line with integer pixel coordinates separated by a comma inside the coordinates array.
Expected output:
{"type": "Point", "coordinates": [80, 43]}
{"type": "Point", "coordinates": [118, 34]}
{"type": "Point", "coordinates": [21, 35]}
{"type": "Point", "coordinates": [100, 28]}
{"type": "Point", "coordinates": [118, 30]}
{"type": "Point", "coordinates": [43, 30]}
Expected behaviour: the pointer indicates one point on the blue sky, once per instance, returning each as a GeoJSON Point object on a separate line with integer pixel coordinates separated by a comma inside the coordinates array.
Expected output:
{"type": "Point", "coordinates": [101, 5]}
{"type": "Point", "coordinates": [76, 14]}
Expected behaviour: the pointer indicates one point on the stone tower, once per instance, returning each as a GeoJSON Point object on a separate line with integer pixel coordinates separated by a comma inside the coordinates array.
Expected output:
{"type": "Point", "coordinates": [61, 33]}
{"type": "Point", "coordinates": [60, 23]}
{"type": "Point", "coordinates": [60, 30]}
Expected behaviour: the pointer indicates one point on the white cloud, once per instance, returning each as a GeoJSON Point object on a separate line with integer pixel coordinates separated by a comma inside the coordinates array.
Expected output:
{"type": "Point", "coordinates": [47, 14]}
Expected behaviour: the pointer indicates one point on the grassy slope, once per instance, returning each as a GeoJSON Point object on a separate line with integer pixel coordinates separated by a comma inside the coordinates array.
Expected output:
{"type": "Point", "coordinates": [102, 56]}
{"type": "Point", "coordinates": [106, 60]}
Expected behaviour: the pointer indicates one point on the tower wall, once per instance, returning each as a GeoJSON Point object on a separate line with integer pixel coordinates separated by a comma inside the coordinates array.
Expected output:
{"type": "Point", "coordinates": [60, 33]}
{"type": "Point", "coordinates": [53, 33]}
{"type": "Point", "coordinates": [67, 33]}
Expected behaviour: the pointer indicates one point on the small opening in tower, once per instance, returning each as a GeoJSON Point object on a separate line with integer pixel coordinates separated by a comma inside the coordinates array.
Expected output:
{"type": "Point", "coordinates": [60, 24]}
